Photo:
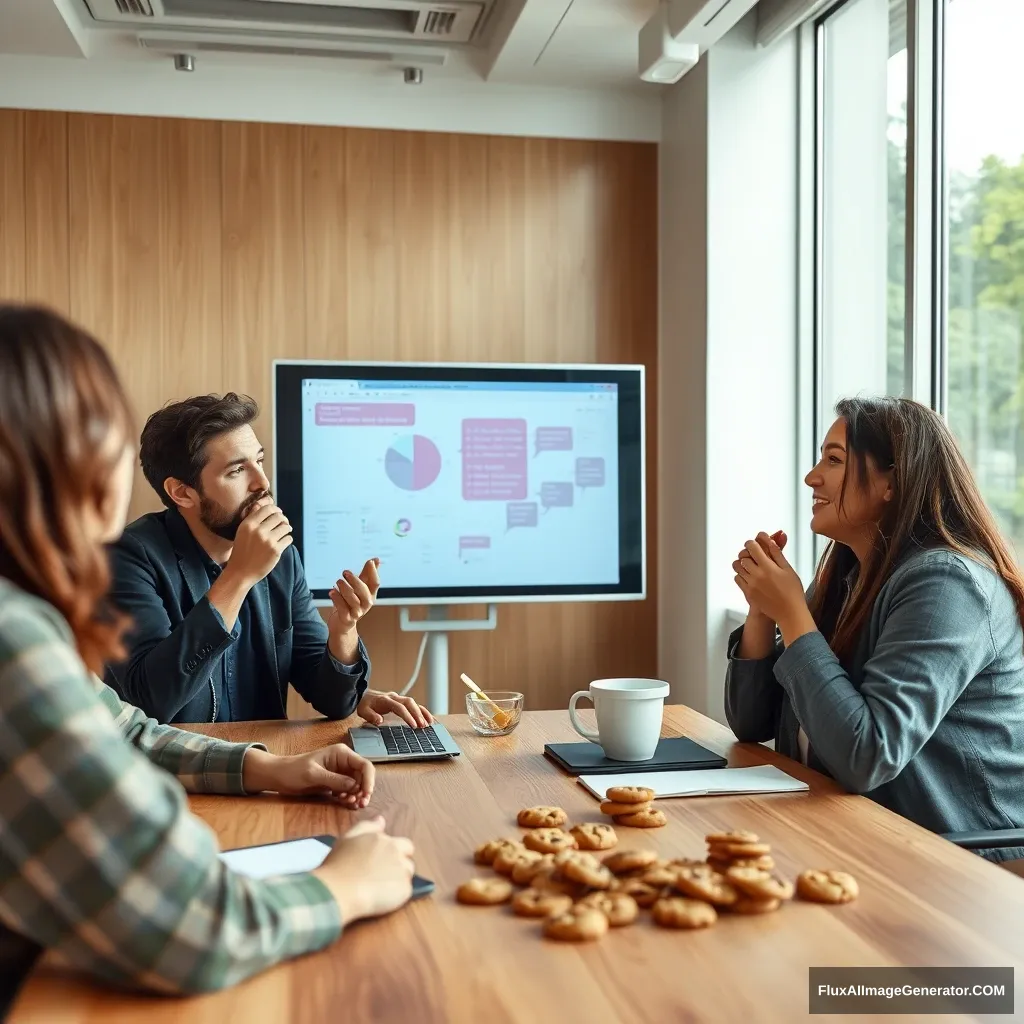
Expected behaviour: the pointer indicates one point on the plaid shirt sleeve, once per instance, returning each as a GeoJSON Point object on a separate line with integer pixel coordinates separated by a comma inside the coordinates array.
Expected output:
{"type": "Point", "coordinates": [101, 860]}
{"type": "Point", "coordinates": [201, 763]}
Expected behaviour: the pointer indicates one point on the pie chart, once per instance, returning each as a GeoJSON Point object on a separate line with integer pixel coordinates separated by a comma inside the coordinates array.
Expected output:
{"type": "Point", "coordinates": [412, 462]}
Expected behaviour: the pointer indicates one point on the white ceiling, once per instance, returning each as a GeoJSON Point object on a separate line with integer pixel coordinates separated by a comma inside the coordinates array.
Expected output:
{"type": "Point", "coordinates": [583, 44]}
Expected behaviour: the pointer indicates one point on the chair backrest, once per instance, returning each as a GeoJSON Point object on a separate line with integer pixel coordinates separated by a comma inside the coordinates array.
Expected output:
{"type": "Point", "coordinates": [17, 958]}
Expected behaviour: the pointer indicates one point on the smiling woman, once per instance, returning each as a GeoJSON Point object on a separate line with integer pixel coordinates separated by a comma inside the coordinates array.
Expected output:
{"type": "Point", "coordinates": [901, 673]}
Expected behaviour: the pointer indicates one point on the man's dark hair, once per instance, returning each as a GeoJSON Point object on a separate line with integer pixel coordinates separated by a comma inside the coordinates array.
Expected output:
{"type": "Point", "coordinates": [174, 438]}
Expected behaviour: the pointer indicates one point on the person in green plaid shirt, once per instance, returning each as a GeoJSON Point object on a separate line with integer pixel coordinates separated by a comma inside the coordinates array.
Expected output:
{"type": "Point", "coordinates": [101, 862]}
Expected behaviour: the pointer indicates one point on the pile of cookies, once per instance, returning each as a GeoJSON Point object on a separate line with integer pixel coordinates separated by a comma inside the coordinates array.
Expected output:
{"type": "Point", "coordinates": [547, 834]}
{"type": "Point", "coordinates": [580, 897]}
{"type": "Point", "coordinates": [632, 806]}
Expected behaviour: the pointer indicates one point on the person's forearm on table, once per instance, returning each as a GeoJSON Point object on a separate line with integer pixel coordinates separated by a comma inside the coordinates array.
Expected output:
{"type": "Point", "coordinates": [257, 770]}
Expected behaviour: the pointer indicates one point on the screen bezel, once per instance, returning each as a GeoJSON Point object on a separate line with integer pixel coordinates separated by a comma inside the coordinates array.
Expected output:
{"type": "Point", "coordinates": [287, 394]}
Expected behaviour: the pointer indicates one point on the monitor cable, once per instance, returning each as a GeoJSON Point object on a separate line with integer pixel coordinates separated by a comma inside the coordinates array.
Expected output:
{"type": "Point", "coordinates": [419, 664]}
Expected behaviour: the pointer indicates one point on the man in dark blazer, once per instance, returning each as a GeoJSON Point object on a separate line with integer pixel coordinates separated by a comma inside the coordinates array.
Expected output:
{"type": "Point", "coordinates": [222, 615]}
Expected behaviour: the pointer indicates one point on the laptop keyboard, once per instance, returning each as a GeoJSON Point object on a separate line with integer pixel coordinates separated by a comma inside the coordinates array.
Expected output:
{"type": "Point", "coordinates": [402, 739]}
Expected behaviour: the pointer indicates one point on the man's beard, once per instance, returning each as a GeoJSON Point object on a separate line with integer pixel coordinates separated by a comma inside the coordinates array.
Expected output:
{"type": "Point", "coordinates": [223, 523]}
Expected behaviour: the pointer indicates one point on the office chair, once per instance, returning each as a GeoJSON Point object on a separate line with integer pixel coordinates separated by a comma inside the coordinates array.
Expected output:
{"type": "Point", "coordinates": [987, 839]}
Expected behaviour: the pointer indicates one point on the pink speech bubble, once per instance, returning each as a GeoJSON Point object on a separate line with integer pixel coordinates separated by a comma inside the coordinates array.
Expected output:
{"type": "Point", "coordinates": [494, 459]}
{"type": "Point", "coordinates": [520, 513]}
{"type": "Point", "coordinates": [473, 543]}
{"type": "Point", "coordinates": [552, 439]}
{"type": "Point", "coordinates": [556, 495]}
{"type": "Point", "coordinates": [365, 414]}
{"type": "Point", "coordinates": [590, 472]}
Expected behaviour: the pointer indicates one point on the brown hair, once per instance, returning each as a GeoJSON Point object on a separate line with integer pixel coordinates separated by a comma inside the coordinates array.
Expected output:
{"type": "Point", "coordinates": [174, 438]}
{"type": "Point", "coordinates": [60, 402]}
{"type": "Point", "coordinates": [936, 503]}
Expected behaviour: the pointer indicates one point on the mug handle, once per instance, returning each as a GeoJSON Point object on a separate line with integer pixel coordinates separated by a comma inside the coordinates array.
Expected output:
{"type": "Point", "coordinates": [576, 723]}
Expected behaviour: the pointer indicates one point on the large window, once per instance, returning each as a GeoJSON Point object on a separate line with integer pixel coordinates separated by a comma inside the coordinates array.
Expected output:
{"type": "Point", "coordinates": [919, 269]}
{"type": "Point", "coordinates": [863, 168]}
{"type": "Point", "coordinates": [984, 157]}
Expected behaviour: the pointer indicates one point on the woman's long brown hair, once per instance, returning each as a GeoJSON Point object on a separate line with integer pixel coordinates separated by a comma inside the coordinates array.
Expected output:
{"type": "Point", "coordinates": [64, 421]}
{"type": "Point", "coordinates": [936, 503]}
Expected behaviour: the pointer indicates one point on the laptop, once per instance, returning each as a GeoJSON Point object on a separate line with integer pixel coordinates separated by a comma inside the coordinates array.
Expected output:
{"type": "Point", "coordinates": [403, 743]}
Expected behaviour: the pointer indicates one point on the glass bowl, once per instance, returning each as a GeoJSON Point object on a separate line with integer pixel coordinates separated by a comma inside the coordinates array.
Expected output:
{"type": "Point", "coordinates": [497, 715]}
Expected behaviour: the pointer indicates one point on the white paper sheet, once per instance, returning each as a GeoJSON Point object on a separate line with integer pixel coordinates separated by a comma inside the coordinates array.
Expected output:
{"type": "Point", "coordinates": [765, 778]}
{"type": "Point", "coordinates": [278, 859]}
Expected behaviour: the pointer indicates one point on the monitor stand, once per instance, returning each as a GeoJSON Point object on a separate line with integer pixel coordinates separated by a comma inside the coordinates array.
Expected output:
{"type": "Point", "coordinates": [438, 626]}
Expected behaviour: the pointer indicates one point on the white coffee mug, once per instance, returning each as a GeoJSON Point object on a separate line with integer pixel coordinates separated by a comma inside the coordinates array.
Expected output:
{"type": "Point", "coordinates": [629, 713]}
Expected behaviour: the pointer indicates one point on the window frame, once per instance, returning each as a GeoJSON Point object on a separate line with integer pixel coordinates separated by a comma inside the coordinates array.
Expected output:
{"type": "Point", "coordinates": [809, 188]}
{"type": "Point", "coordinates": [925, 353]}
{"type": "Point", "coordinates": [925, 329]}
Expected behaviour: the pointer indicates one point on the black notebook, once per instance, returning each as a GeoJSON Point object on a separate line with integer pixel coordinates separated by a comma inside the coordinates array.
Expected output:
{"type": "Point", "coordinates": [676, 753]}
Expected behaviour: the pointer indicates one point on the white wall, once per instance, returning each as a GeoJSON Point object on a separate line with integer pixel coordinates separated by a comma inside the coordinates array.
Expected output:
{"type": "Point", "coordinates": [753, 477]}
{"type": "Point", "coordinates": [728, 342]}
{"type": "Point", "coordinates": [302, 95]}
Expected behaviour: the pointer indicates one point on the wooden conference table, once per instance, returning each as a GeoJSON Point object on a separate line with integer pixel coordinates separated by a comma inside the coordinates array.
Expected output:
{"type": "Point", "coordinates": [922, 902]}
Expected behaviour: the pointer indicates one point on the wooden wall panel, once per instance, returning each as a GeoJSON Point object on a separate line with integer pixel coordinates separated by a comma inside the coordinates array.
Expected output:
{"type": "Point", "coordinates": [423, 268]}
{"type": "Point", "coordinates": [474, 306]}
{"type": "Point", "coordinates": [371, 238]}
{"type": "Point", "coordinates": [191, 257]}
{"type": "Point", "coordinates": [328, 215]}
{"type": "Point", "coordinates": [91, 180]}
{"type": "Point", "coordinates": [546, 249]}
{"type": "Point", "coordinates": [200, 251]}
{"type": "Point", "coordinates": [507, 258]}
{"type": "Point", "coordinates": [12, 204]}
{"type": "Point", "coordinates": [264, 311]}
{"type": "Point", "coordinates": [47, 271]}
{"type": "Point", "coordinates": [117, 283]}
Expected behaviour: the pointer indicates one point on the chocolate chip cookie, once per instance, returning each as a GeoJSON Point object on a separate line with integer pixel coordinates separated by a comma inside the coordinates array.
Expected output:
{"type": "Point", "coordinates": [677, 912]}
{"type": "Point", "coordinates": [580, 924]}
{"type": "Point", "coordinates": [542, 817]}
{"type": "Point", "coordinates": [702, 882]}
{"type": "Point", "coordinates": [626, 861]}
{"type": "Point", "coordinates": [526, 870]}
{"type": "Point", "coordinates": [534, 903]}
{"type": "Point", "coordinates": [649, 818]}
{"type": "Point", "coordinates": [586, 870]}
{"type": "Point", "coordinates": [630, 794]}
{"type": "Point", "coordinates": [484, 892]}
{"type": "Point", "coordinates": [645, 894]}
{"type": "Point", "coordinates": [620, 908]}
{"type": "Point", "coordinates": [594, 836]}
{"type": "Point", "coordinates": [485, 854]}
{"type": "Point", "coordinates": [759, 884]}
{"type": "Point", "coordinates": [549, 840]}
{"type": "Point", "coordinates": [827, 886]}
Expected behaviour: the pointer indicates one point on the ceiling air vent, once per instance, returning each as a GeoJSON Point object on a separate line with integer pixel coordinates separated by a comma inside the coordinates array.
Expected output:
{"type": "Point", "coordinates": [339, 16]}
{"type": "Point", "coordinates": [439, 23]}
{"type": "Point", "coordinates": [293, 51]}
{"type": "Point", "coordinates": [281, 46]}
{"type": "Point", "coordinates": [433, 22]}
